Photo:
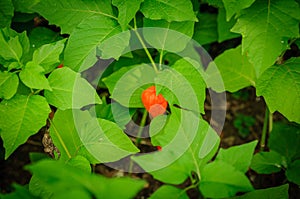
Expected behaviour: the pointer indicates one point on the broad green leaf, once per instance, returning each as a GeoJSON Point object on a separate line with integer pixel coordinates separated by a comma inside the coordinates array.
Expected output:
{"type": "Point", "coordinates": [41, 35]}
{"type": "Point", "coordinates": [215, 3]}
{"type": "Point", "coordinates": [21, 117]}
{"type": "Point", "coordinates": [280, 87]}
{"type": "Point", "coordinates": [266, 162]}
{"type": "Point", "coordinates": [280, 192]}
{"type": "Point", "coordinates": [6, 13]}
{"type": "Point", "coordinates": [127, 84]}
{"type": "Point", "coordinates": [285, 139]}
{"type": "Point", "coordinates": [127, 10]}
{"type": "Point", "coordinates": [24, 6]}
{"type": "Point", "coordinates": [33, 76]}
{"type": "Point", "coordinates": [80, 162]}
{"type": "Point", "coordinates": [224, 178]}
{"type": "Point", "coordinates": [263, 34]}
{"type": "Point", "coordinates": [115, 44]}
{"type": "Point", "coordinates": [181, 140]}
{"type": "Point", "coordinates": [171, 36]}
{"type": "Point", "coordinates": [11, 48]}
{"type": "Point", "coordinates": [68, 15]}
{"type": "Point", "coordinates": [47, 55]}
{"type": "Point", "coordinates": [176, 10]}
{"type": "Point", "coordinates": [224, 27]}
{"type": "Point", "coordinates": [235, 69]}
{"type": "Point", "coordinates": [64, 132]}
{"type": "Point", "coordinates": [65, 178]}
{"type": "Point", "coordinates": [9, 83]}
{"type": "Point", "coordinates": [293, 172]}
{"type": "Point", "coordinates": [238, 156]}
{"type": "Point", "coordinates": [232, 6]}
{"type": "Point", "coordinates": [166, 191]}
{"type": "Point", "coordinates": [106, 141]}
{"type": "Point", "coordinates": [184, 79]}
{"type": "Point", "coordinates": [206, 29]}
{"type": "Point", "coordinates": [92, 32]}
{"type": "Point", "coordinates": [69, 90]}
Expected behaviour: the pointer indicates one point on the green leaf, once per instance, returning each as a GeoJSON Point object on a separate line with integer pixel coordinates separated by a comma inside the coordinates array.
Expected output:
{"type": "Point", "coordinates": [24, 6]}
{"type": "Point", "coordinates": [232, 7]}
{"type": "Point", "coordinates": [115, 44]}
{"type": "Point", "coordinates": [206, 29]}
{"type": "Point", "coordinates": [263, 33]}
{"type": "Point", "coordinates": [21, 117]}
{"type": "Point", "coordinates": [6, 13]}
{"type": "Point", "coordinates": [127, 10]}
{"type": "Point", "coordinates": [280, 192]}
{"type": "Point", "coordinates": [224, 27]}
{"type": "Point", "coordinates": [171, 36]}
{"type": "Point", "coordinates": [223, 177]}
{"type": "Point", "coordinates": [69, 90]}
{"type": "Point", "coordinates": [9, 83]}
{"type": "Point", "coordinates": [93, 31]}
{"type": "Point", "coordinates": [80, 162]}
{"type": "Point", "coordinates": [68, 15]}
{"type": "Point", "coordinates": [11, 48]}
{"type": "Point", "coordinates": [181, 140]}
{"type": "Point", "coordinates": [106, 141]}
{"type": "Point", "coordinates": [185, 80]}
{"type": "Point", "coordinates": [61, 178]}
{"type": "Point", "coordinates": [47, 55]}
{"type": "Point", "coordinates": [176, 10]}
{"type": "Point", "coordinates": [33, 76]}
{"type": "Point", "coordinates": [127, 84]}
{"type": "Point", "coordinates": [293, 172]}
{"type": "Point", "coordinates": [285, 140]}
{"type": "Point", "coordinates": [280, 87]}
{"type": "Point", "coordinates": [235, 70]}
{"type": "Point", "coordinates": [64, 132]}
{"type": "Point", "coordinates": [238, 156]}
{"type": "Point", "coordinates": [266, 162]}
{"type": "Point", "coordinates": [166, 191]}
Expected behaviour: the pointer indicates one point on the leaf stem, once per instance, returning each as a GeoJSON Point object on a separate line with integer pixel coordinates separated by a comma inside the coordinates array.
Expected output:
{"type": "Point", "coordinates": [144, 45]}
{"type": "Point", "coordinates": [142, 124]}
{"type": "Point", "coordinates": [264, 131]}
{"type": "Point", "coordinates": [160, 59]}
{"type": "Point", "coordinates": [270, 121]}
{"type": "Point", "coordinates": [60, 138]}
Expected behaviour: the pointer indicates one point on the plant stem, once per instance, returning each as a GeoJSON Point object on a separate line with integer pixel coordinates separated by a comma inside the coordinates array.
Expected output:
{"type": "Point", "coordinates": [60, 139]}
{"type": "Point", "coordinates": [160, 59]}
{"type": "Point", "coordinates": [144, 45]}
{"type": "Point", "coordinates": [264, 131]}
{"type": "Point", "coordinates": [270, 121]}
{"type": "Point", "coordinates": [142, 124]}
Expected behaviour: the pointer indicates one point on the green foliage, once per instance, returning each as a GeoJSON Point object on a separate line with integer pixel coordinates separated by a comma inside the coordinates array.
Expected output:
{"type": "Point", "coordinates": [284, 153]}
{"type": "Point", "coordinates": [86, 131]}
{"type": "Point", "coordinates": [263, 43]}
{"type": "Point", "coordinates": [166, 191]}
{"type": "Point", "coordinates": [280, 192]}
{"type": "Point", "coordinates": [279, 85]}
{"type": "Point", "coordinates": [231, 63]}
{"type": "Point", "coordinates": [61, 178]}
{"type": "Point", "coordinates": [21, 117]}
{"type": "Point", "coordinates": [69, 90]}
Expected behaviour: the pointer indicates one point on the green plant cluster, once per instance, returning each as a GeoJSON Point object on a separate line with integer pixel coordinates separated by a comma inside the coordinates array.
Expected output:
{"type": "Point", "coordinates": [84, 126]}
